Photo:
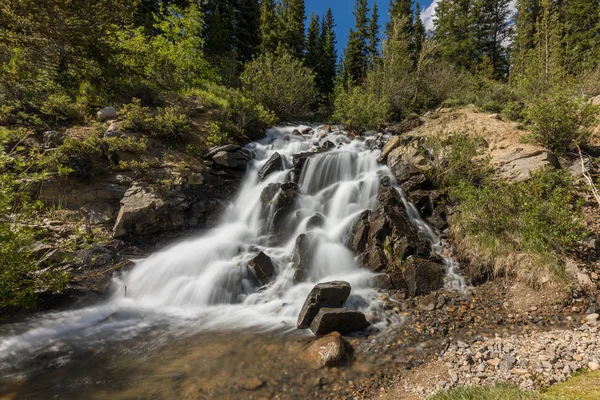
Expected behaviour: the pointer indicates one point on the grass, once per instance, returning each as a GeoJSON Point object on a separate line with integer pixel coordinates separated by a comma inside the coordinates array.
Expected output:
{"type": "Point", "coordinates": [582, 386]}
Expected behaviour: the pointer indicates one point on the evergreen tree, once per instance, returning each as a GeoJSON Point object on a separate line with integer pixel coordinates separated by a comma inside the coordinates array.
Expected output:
{"type": "Point", "coordinates": [523, 42]}
{"type": "Point", "coordinates": [398, 10]}
{"type": "Point", "coordinates": [355, 58]}
{"type": "Point", "coordinates": [454, 32]}
{"type": "Point", "coordinates": [219, 23]}
{"type": "Point", "coordinates": [269, 27]}
{"type": "Point", "coordinates": [373, 37]}
{"type": "Point", "coordinates": [418, 31]}
{"type": "Point", "coordinates": [581, 22]}
{"type": "Point", "coordinates": [313, 44]}
{"type": "Point", "coordinates": [492, 29]}
{"type": "Point", "coordinates": [247, 29]}
{"type": "Point", "coordinates": [293, 16]}
{"type": "Point", "coordinates": [326, 73]}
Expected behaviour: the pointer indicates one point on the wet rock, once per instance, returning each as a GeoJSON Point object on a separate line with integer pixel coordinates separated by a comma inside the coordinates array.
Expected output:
{"type": "Point", "coordinates": [327, 351]}
{"type": "Point", "coordinates": [382, 281]}
{"type": "Point", "coordinates": [423, 276]}
{"type": "Point", "coordinates": [329, 294]}
{"type": "Point", "coordinates": [307, 131]}
{"type": "Point", "coordinates": [283, 203]}
{"type": "Point", "coordinates": [360, 232]}
{"type": "Point", "coordinates": [262, 268]}
{"type": "Point", "coordinates": [53, 139]}
{"type": "Point", "coordinates": [327, 145]}
{"type": "Point", "coordinates": [296, 132]}
{"type": "Point", "coordinates": [390, 145]}
{"type": "Point", "coordinates": [317, 220]}
{"type": "Point", "coordinates": [338, 320]}
{"type": "Point", "coordinates": [302, 257]}
{"type": "Point", "coordinates": [106, 114]}
{"type": "Point", "coordinates": [273, 164]}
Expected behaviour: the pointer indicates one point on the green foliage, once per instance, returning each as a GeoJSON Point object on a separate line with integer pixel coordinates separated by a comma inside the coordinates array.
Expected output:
{"type": "Point", "coordinates": [494, 96]}
{"type": "Point", "coordinates": [360, 108]}
{"type": "Point", "coordinates": [79, 157]}
{"type": "Point", "coordinates": [281, 83]}
{"type": "Point", "coordinates": [560, 121]}
{"type": "Point", "coordinates": [169, 123]}
{"type": "Point", "coordinates": [498, 392]}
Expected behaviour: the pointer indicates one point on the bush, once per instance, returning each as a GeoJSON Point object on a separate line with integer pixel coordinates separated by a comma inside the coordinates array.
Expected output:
{"type": "Point", "coordinates": [281, 83]}
{"type": "Point", "coordinates": [170, 123]}
{"type": "Point", "coordinates": [360, 109]}
{"type": "Point", "coordinates": [79, 157]}
{"type": "Point", "coordinates": [560, 121]}
{"type": "Point", "coordinates": [494, 97]}
{"type": "Point", "coordinates": [521, 229]}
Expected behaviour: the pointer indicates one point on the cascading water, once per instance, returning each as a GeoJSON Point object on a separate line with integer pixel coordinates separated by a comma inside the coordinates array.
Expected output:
{"type": "Point", "coordinates": [205, 282]}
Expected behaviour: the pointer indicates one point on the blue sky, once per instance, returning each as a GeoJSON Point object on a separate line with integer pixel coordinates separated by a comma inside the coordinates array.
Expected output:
{"type": "Point", "coordinates": [342, 12]}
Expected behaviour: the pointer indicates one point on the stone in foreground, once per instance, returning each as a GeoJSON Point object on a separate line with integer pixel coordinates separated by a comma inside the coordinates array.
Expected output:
{"type": "Point", "coordinates": [262, 268]}
{"type": "Point", "coordinates": [328, 351]}
{"type": "Point", "coordinates": [339, 320]}
{"type": "Point", "coordinates": [273, 164]}
{"type": "Point", "coordinates": [329, 294]}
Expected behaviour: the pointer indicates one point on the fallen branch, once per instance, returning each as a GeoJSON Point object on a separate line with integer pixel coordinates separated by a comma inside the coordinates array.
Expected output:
{"type": "Point", "coordinates": [588, 177]}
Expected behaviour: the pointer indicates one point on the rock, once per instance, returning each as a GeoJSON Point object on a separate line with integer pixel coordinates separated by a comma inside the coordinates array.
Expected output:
{"type": "Point", "coordinates": [296, 132]}
{"type": "Point", "coordinates": [593, 366]}
{"type": "Point", "coordinates": [233, 159]}
{"type": "Point", "coordinates": [112, 131]}
{"type": "Point", "coordinates": [338, 320]}
{"type": "Point", "coordinates": [106, 114]}
{"type": "Point", "coordinates": [252, 384]}
{"type": "Point", "coordinates": [507, 362]}
{"type": "Point", "coordinates": [382, 281]}
{"type": "Point", "coordinates": [596, 100]}
{"type": "Point", "coordinates": [302, 257]}
{"type": "Point", "coordinates": [273, 164]}
{"type": "Point", "coordinates": [307, 131]}
{"type": "Point", "coordinates": [390, 145]}
{"type": "Point", "coordinates": [591, 317]}
{"type": "Point", "coordinates": [330, 294]}
{"type": "Point", "coordinates": [262, 268]}
{"type": "Point", "coordinates": [518, 164]}
{"type": "Point", "coordinates": [228, 148]}
{"type": "Point", "coordinates": [423, 276]}
{"type": "Point", "coordinates": [360, 232]}
{"type": "Point", "coordinates": [53, 139]}
{"type": "Point", "coordinates": [327, 145]}
{"type": "Point", "coordinates": [327, 351]}
{"type": "Point", "coordinates": [317, 220]}
{"type": "Point", "coordinates": [138, 211]}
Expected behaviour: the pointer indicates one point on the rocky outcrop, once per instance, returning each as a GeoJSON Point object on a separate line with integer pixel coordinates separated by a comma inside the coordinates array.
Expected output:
{"type": "Point", "coordinates": [390, 145]}
{"type": "Point", "coordinates": [106, 114]}
{"type": "Point", "coordinates": [229, 156]}
{"type": "Point", "coordinates": [339, 320]}
{"type": "Point", "coordinates": [273, 164]}
{"type": "Point", "coordinates": [262, 268]}
{"type": "Point", "coordinates": [327, 351]}
{"type": "Point", "coordinates": [329, 294]}
{"type": "Point", "coordinates": [518, 164]}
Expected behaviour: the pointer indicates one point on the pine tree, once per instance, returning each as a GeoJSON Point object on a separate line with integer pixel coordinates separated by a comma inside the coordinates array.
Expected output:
{"type": "Point", "coordinates": [327, 72]}
{"type": "Point", "coordinates": [373, 37]}
{"type": "Point", "coordinates": [419, 32]}
{"type": "Point", "coordinates": [293, 16]}
{"type": "Point", "coordinates": [399, 9]}
{"type": "Point", "coordinates": [269, 27]}
{"type": "Point", "coordinates": [355, 58]}
{"type": "Point", "coordinates": [492, 29]}
{"type": "Point", "coordinates": [581, 22]}
{"type": "Point", "coordinates": [454, 32]}
{"type": "Point", "coordinates": [219, 25]}
{"type": "Point", "coordinates": [313, 44]}
{"type": "Point", "coordinates": [247, 29]}
{"type": "Point", "coordinates": [523, 42]}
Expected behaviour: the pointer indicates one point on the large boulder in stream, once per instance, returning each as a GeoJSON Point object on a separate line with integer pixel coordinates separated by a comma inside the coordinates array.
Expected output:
{"type": "Point", "coordinates": [327, 351]}
{"type": "Point", "coordinates": [273, 164]}
{"type": "Point", "coordinates": [329, 294]}
{"type": "Point", "coordinates": [262, 268]}
{"type": "Point", "coordinates": [339, 320]}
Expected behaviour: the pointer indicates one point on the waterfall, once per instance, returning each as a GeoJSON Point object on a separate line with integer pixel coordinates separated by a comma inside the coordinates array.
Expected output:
{"type": "Point", "coordinates": [204, 282]}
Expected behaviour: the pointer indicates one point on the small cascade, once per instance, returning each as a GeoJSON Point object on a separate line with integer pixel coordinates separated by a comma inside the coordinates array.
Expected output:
{"type": "Point", "coordinates": [205, 283]}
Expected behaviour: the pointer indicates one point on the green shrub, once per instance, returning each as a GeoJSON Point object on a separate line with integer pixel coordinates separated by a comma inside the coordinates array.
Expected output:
{"type": "Point", "coordinates": [281, 83]}
{"type": "Point", "coordinates": [360, 109]}
{"type": "Point", "coordinates": [61, 108]}
{"type": "Point", "coordinates": [126, 144]}
{"type": "Point", "coordinates": [494, 97]}
{"type": "Point", "coordinates": [79, 157]}
{"type": "Point", "coordinates": [171, 123]}
{"type": "Point", "coordinates": [521, 229]}
{"type": "Point", "coordinates": [560, 121]}
{"type": "Point", "coordinates": [137, 117]}
{"type": "Point", "coordinates": [514, 111]}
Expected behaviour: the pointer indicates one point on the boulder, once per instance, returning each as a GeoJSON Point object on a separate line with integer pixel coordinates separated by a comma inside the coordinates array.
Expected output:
{"type": "Point", "coordinates": [423, 276]}
{"type": "Point", "coordinates": [283, 203]}
{"type": "Point", "coordinates": [317, 220]}
{"type": "Point", "coordinates": [596, 101]}
{"type": "Point", "coordinates": [327, 145]}
{"type": "Point", "coordinates": [307, 131]}
{"type": "Point", "coordinates": [112, 131]}
{"type": "Point", "coordinates": [518, 164]}
{"type": "Point", "coordinates": [390, 145]}
{"type": "Point", "coordinates": [360, 232]}
{"type": "Point", "coordinates": [329, 294]}
{"type": "Point", "coordinates": [106, 114]}
{"type": "Point", "coordinates": [233, 159]}
{"type": "Point", "coordinates": [296, 132]}
{"type": "Point", "coordinates": [339, 320]}
{"type": "Point", "coordinates": [262, 268]}
{"type": "Point", "coordinates": [327, 351]}
{"type": "Point", "coordinates": [53, 139]}
{"type": "Point", "coordinates": [302, 257]}
{"type": "Point", "coordinates": [138, 212]}
{"type": "Point", "coordinates": [273, 164]}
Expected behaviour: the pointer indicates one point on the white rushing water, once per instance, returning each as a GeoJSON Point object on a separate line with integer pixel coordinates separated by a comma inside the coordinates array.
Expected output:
{"type": "Point", "coordinates": [205, 282]}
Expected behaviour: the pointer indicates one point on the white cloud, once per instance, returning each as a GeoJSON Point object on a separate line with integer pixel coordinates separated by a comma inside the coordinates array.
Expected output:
{"type": "Point", "coordinates": [428, 15]}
